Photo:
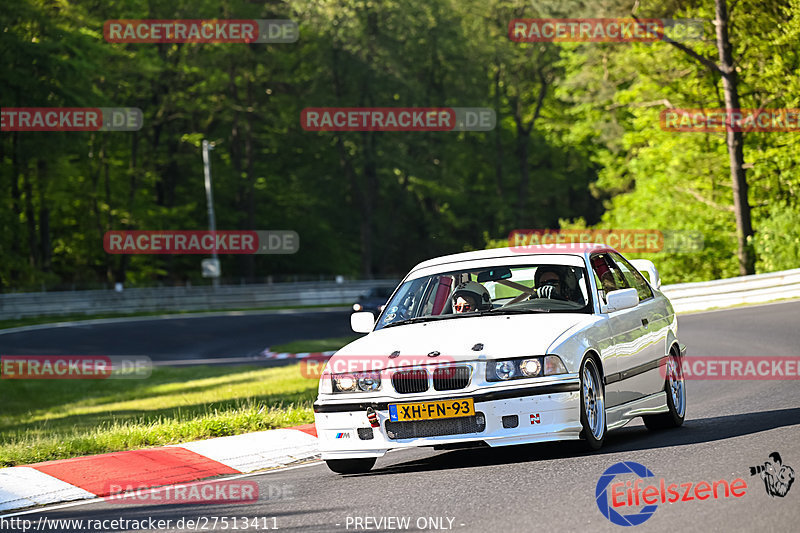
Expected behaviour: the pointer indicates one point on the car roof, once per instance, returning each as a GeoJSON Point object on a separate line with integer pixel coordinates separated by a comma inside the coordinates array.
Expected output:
{"type": "Point", "coordinates": [575, 249]}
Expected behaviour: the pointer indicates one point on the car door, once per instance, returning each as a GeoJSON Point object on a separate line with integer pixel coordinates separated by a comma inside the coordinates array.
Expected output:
{"type": "Point", "coordinates": [631, 349]}
{"type": "Point", "coordinates": [623, 324]}
{"type": "Point", "coordinates": [638, 362]}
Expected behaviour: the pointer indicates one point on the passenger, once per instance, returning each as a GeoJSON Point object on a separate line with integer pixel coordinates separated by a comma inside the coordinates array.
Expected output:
{"type": "Point", "coordinates": [471, 296]}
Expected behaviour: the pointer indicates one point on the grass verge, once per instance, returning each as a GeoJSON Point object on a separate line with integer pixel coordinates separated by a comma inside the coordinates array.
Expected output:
{"type": "Point", "coordinates": [43, 420]}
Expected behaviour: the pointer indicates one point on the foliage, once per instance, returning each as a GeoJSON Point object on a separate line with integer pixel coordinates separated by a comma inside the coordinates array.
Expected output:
{"type": "Point", "coordinates": [577, 136]}
{"type": "Point", "coordinates": [654, 179]}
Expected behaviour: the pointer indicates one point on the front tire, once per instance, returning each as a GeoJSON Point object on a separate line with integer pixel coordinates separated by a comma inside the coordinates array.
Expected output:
{"type": "Point", "coordinates": [675, 388]}
{"type": "Point", "coordinates": [593, 405]}
{"type": "Point", "coordinates": [351, 466]}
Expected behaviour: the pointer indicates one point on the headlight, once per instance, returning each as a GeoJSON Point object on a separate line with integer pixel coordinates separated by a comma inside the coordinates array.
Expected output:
{"type": "Point", "coordinates": [359, 382]}
{"type": "Point", "coordinates": [524, 367]}
{"type": "Point", "coordinates": [344, 383]}
{"type": "Point", "coordinates": [368, 382]}
{"type": "Point", "coordinates": [503, 370]}
{"type": "Point", "coordinates": [530, 368]}
{"type": "Point", "coordinates": [357, 307]}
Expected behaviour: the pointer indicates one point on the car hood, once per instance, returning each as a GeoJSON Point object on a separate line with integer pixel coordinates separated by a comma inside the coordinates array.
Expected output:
{"type": "Point", "coordinates": [456, 338]}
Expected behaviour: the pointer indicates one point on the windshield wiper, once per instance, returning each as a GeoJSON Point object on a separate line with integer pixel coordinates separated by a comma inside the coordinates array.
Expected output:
{"type": "Point", "coordinates": [416, 320]}
{"type": "Point", "coordinates": [514, 311]}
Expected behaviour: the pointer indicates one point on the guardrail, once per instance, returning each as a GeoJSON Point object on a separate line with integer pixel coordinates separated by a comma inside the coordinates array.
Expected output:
{"type": "Point", "coordinates": [684, 296]}
{"type": "Point", "coordinates": [184, 298]}
{"type": "Point", "coordinates": [754, 289]}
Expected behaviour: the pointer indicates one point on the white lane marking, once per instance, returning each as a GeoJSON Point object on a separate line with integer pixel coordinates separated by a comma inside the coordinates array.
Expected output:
{"type": "Point", "coordinates": [736, 308]}
{"type": "Point", "coordinates": [316, 462]}
{"type": "Point", "coordinates": [154, 489]}
{"type": "Point", "coordinates": [23, 486]}
{"type": "Point", "coordinates": [256, 451]}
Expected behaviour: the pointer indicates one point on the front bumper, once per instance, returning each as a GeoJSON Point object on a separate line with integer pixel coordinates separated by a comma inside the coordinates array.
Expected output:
{"type": "Point", "coordinates": [545, 411]}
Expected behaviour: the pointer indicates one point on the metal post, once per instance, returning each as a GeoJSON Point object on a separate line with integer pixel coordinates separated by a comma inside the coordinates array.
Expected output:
{"type": "Point", "coordinates": [212, 223]}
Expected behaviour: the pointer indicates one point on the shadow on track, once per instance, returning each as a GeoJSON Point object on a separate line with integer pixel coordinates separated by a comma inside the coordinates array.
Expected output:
{"type": "Point", "coordinates": [693, 431]}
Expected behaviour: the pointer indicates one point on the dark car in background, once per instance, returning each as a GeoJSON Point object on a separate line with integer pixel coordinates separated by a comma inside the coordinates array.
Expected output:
{"type": "Point", "coordinates": [373, 300]}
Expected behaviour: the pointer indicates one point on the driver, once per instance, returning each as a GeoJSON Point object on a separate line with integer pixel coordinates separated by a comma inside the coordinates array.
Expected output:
{"type": "Point", "coordinates": [548, 283]}
{"type": "Point", "coordinates": [471, 296]}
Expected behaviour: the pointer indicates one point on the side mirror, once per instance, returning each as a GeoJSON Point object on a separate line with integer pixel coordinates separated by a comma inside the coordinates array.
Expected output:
{"type": "Point", "coordinates": [622, 299]}
{"type": "Point", "coordinates": [645, 266]}
{"type": "Point", "coordinates": [362, 322]}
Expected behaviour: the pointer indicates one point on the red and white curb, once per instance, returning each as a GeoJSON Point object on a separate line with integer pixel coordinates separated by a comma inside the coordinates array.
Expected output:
{"type": "Point", "coordinates": [91, 476]}
{"type": "Point", "coordinates": [267, 354]}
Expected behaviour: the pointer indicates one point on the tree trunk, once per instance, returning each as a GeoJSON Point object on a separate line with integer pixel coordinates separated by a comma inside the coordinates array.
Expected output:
{"type": "Point", "coordinates": [16, 197]}
{"type": "Point", "coordinates": [132, 170]}
{"type": "Point", "coordinates": [250, 192]}
{"type": "Point", "coordinates": [498, 140]}
{"type": "Point", "coordinates": [368, 206]}
{"type": "Point", "coordinates": [363, 193]}
{"type": "Point", "coordinates": [45, 247]}
{"type": "Point", "coordinates": [523, 144]}
{"type": "Point", "coordinates": [104, 164]}
{"type": "Point", "coordinates": [741, 205]}
{"type": "Point", "coordinates": [30, 217]}
{"type": "Point", "coordinates": [95, 165]}
{"type": "Point", "coordinates": [523, 140]}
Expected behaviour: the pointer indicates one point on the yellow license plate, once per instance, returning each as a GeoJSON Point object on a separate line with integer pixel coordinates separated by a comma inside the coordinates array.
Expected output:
{"type": "Point", "coordinates": [402, 412]}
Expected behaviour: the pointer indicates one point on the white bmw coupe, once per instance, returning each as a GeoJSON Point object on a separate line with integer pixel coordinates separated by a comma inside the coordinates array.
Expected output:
{"type": "Point", "coordinates": [504, 347]}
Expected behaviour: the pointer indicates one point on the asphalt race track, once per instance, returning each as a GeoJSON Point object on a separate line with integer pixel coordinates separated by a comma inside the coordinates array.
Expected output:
{"type": "Point", "coordinates": [730, 426]}
{"type": "Point", "coordinates": [180, 337]}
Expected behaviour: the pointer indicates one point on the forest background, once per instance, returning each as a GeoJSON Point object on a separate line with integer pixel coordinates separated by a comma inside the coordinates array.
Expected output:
{"type": "Point", "coordinates": [577, 144]}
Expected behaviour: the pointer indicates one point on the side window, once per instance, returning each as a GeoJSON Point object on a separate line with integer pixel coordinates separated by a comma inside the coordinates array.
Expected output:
{"type": "Point", "coordinates": [607, 275]}
{"type": "Point", "coordinates": [633, 277]}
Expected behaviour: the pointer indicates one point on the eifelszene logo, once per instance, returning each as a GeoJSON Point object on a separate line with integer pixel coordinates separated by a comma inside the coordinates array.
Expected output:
{"type": "Point", "coordinates": [632, 493]}
{"type": "Point", "coordinates": [601, 495]}
{"type": "Point", "coordinates": [778, 477]}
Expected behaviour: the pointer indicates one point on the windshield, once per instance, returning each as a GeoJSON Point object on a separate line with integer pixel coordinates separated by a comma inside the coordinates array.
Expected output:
{"type": "Point", "coordinates": [538, 288]}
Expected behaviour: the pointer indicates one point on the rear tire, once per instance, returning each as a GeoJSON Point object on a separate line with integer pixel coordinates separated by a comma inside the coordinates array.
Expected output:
{"type": "Point", "coordinates": [675, 388]}
{"type": "Point", "coordinates": [593, 405]}
{"type": "Point", "coordinates": [351, 466]}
